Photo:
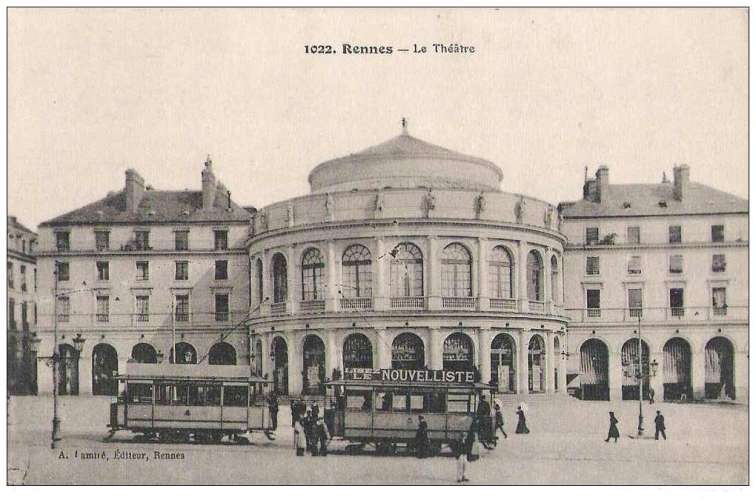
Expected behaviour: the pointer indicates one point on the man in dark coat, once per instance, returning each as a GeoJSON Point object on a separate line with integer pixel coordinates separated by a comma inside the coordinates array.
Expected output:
{"type": "Point", "coordinates": [613, 430]}
{"type": "Point", "coordinates": [273, 407]}
{"type": "Point", "coordinates": [660, 428]}
{"type": "Point", "coordinates": [422, 443]}
{"type": "Point", "coordinates": [484, 421]}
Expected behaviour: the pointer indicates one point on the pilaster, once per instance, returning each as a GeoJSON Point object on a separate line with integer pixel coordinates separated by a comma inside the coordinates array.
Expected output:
{"type": "Point", "coordinates": [433, 275]}
{"type": "Point", "coordinates": [522, 361]}
{"type": "Point", "coordinates": [484, 350]}
{"type": "Point", "coordinates": [332, 288]}
{"type": "Point", "coordinates": [436, 360]}
{"type": "Point", "coordinates": [483, 292]}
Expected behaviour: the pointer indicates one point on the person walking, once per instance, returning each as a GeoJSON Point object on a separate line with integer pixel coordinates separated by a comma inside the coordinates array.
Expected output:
{"type": "Point", "coordinates": [499, 422]}
{"type": "Point", "coordinates": [321, 437]}
{"type": "Point", "coordinates": [613, 430]}
{"type": "Point", "coordinates": [273, 408]}
{"type": "Point", "coordinates": [299, 437]}
{"type": "Point", "coordinates": [460, 452]}
{"type": "Point", "coordinates": [422, 444]}
{"type": "Point", "coordinates": [307, 425]}
{"type": "Point", "coordinates": [522, 427]}
{"type": "Point", "coordinates": [651, 395]}
{"type": "Point", "coordinates": [483, 413]}
{"type": "Point", "coordinates": [660, 427]}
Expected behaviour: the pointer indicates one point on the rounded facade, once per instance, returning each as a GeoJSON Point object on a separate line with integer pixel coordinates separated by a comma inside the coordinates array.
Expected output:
{"type": "Point", "coordinates": [371, 272]}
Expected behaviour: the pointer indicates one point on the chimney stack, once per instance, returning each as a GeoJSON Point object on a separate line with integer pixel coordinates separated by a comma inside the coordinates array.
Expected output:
{"type": "Point", "coordinates": [602, 184]}
{"type": "Point", "coordinates": [134, 190]}
{"type": "Point", "coordinates": [681, 181]}
{"type": "Point", "coordinates": [221, 195]}
{"type": "Point", "coordinates": [208, 185]}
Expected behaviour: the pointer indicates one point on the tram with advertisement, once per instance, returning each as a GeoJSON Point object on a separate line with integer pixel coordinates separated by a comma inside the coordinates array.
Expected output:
{"type": "Point", "coordinates": [381, 407]}
{"type": "Point", "coordinates": [183, 402]}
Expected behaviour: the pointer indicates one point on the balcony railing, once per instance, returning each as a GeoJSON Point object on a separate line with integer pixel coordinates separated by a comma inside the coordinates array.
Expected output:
{"type": "Point", "coordinates": [308, 306]}
{"type": "Point", "coordinates": [503, 304]}
{"type": "Point", "coordinates": [720, 311]}
{"type": "Point", "coordinates": [594, 312]}
{"type": "Point", "coordinates": [102, 318]}
{"type": "Point", "coordinates": [357, 303]}
{"type": "Point", "coordinates": [536, 306]}
{"type": "Point", "coordinates": [221, 315]}
{"type": "Point", "coordinates": [278, 308]}
{"type": "Point", "coordinates": [659, 314]}
{"type": "Point", "coordinates": [677, 312]}
{"type": "Point", "coordinates": [459, 303]}
{"type": "Point", "coordinates": [408, 303]}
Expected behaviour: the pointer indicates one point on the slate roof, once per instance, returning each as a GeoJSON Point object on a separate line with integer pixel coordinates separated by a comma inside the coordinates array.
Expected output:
{"type": "Point", "coordinates": [644, 200]}
{"type": "Point", "coordinates": [155, 207]}
{"type": "Point", "coordinates": [13, 223]}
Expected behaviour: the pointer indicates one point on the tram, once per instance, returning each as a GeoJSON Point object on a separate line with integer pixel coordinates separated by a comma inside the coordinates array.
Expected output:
{"type": "Point", "coordinates": [381, 407]}
{"type": "Point", "coordinates": [200, 403]}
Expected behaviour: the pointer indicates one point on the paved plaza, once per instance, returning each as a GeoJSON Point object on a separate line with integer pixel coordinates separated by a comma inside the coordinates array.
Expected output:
{"type": "Point", "coordinates": [707, 444]}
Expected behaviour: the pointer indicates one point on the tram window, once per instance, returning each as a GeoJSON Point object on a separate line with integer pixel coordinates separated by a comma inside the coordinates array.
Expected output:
{"type": "Point", "coordinates": [383, 400]}
{"type": "Point", "coordinates": [213, 395]}
{"type": "Point", "coordinates": [235, 395]}
{"type": "Point", "coordinates": [399, 402]}
{"type": "Point", "coordinates": [358, 400]}
{"type": "Point", "coordinates": [459, 402]}
{"type": "Point", "coordinates": [436, 402]}
{"type": "Point", "coordinates": [187, 395]}
{"type": "Point", "coordinates": [417, 403]}
{"type": "Point", "coordinates": [140, 393]}
{"type": "Point", "coordinates": [163, 394]}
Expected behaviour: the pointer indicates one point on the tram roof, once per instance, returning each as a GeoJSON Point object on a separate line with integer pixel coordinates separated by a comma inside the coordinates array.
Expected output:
{"type": "Point", "coordinates": [426, 384]}
{"type": "Point", "coordinates": [190, 372]}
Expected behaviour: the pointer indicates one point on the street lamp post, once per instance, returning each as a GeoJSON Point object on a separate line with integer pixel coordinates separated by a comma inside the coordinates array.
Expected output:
{"type": "Point", "coordinates": [55, 356]}
{"type": "Point", "coordinates": [640, 378]}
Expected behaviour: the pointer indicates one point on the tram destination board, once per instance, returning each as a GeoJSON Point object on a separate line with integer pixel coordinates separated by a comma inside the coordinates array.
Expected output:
{"type": "Point", "coordinates": [401, 375]}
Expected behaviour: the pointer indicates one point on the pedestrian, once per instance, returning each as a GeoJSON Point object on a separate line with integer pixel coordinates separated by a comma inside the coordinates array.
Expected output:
{"type": "Point", "coordinates": [499, 422]}
{"type": "Point", "coordinates": [299, 438]}
{"type": "Point", "coordinates": [522, 427]}
{"type": "Point", "coordinates": [315, 412]}
{"type": "Point", "coordinates": [472, 446]}
{"type": "Point", "coordinates": [307, 425]}
{"type": "Point", "coordinates": [483, 413]}
{"type": "Point", "coordinates": [273, 408]}
{"type": "Point", "coordinates": [651, 395]}
{"type": "Point", "coordinates": [613, 430]}
{"type": "Point", "coordinates": [460, 453]}
{"type": "Point", "coordinates": [322, 437]}
{"type": "Point", "coordinates": [422, 444]}
{"type": "Point", "coordinates": [660, 427]}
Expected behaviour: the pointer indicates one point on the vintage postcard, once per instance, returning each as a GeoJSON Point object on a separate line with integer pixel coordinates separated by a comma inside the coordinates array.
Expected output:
{"type": "Point", "coordinates": [426, 246]}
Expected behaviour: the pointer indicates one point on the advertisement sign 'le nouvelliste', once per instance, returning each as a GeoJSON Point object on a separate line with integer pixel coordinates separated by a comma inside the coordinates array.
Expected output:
{"type": "Point", "coordinates": [398, 375]}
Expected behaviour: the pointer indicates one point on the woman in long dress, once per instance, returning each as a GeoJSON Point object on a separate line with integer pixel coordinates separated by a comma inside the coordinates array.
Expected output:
{"type": "Point", "coordinates": [522, 427]}
{"type": "Point", "coordinates": [613, 430]}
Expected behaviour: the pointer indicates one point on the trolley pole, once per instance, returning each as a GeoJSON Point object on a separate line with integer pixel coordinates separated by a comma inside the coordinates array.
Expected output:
{"type": "Point", "coordinates": [55, 421]}
{"type": "Point", "coordinates": [640, 378]}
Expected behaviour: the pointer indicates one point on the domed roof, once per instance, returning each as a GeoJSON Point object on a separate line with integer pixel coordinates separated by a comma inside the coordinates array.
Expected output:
{"type": "Point", "coordinates": [405, 162]}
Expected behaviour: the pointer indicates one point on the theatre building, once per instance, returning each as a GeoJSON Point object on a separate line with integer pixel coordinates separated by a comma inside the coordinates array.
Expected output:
{"type": "Point", "coordinates": [408, 255]}
{"type": "Point", "coordinates": [668, 260]}
{"type": "Point", "coordinates": [138, 274]}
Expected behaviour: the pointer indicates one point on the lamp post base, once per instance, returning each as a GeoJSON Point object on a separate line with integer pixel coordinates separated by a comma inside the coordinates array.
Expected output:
{"type": "Point", "coordinates": [55, 433]}
{"type": "Point", "coordinates": [640, 425]}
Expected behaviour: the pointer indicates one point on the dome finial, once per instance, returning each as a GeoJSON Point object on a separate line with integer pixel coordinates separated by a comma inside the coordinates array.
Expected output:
{"type": "Point", "coordinates": [404, 126]}
{"type": "Point", "coordinates": [209, 162]}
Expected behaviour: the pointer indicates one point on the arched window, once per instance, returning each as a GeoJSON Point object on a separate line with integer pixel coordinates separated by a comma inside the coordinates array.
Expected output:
{"type": "Point", "coordinates": [144, 353]}
{"type": "Point", "coordinates": [222, 353]}
{"type": "Point", "coordinates": [312, 275]}
{"type": "Point", "coordinates": [456, 271]}
{"type": "Point", "coordinates": [104, 370]}
{"type": "Point", "coordinates": [535, 276]}
{"type": "Point", "coordinates": [555, 280]}
{"type": "Point", "coordinates": [280, 279]}
{"type": "Point", "coordinates": [500, 274]}
{"type": "Point", "coordinates": [406, 271]}
{"type": "Point", "coordinates": [357, 274]}
{"type": "Point", "coordinates": [259, 273]}
{"type": "Point", "coordinates": [186, 354]}
{"type": "Point", "coordinates": [358, 351]}
{"type": "Point", "coordinates": [407, 352]}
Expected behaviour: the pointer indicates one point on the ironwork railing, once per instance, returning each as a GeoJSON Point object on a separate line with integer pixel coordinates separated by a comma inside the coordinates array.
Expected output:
{"type": "Point", "coordinates": [357, 303]}
{"type": "Point", "coordinates": [536, 306]}
{"type": "Point", "coordinates": [459, 302]}
{"type": "Point", "coordinates": [278, 308]}
{"type": "Point", "coordinates": [503, 304]}
{"type": "Point", "coordinates": [416, 303]}
{"type": "Point", "coordinates": [310, 306]}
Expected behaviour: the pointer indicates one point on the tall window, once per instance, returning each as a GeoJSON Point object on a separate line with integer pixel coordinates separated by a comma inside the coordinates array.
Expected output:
{"type": "Point", "coordinates": [591, 235]}
{"type": "Point", "coordinates": [12, 314]}
{"type": "Point", "coordinates": [312, 275]}
{"type": "Point", "coordinates": [62, 241]}
{"type": "Point", "coordinates": [676, 264]}
{"type": "Point", "coordinates": [182, 270]}
{"type": "Point", "coordinates": [102, 240]}
{"type": "Point", "coordinates": [593, 303]}
{"type": "Point", "coordinates": [634, 265]}
{"type": "Point", "coordinates": [500, 273]}
{"type": "Point", "coordinates": [142, 239]}
{"type": "Point", "coordinates": [675, 234]}
{"type": "Point", "coordinates": [677, 301]}
{"type": "Point", "coordinates": [103, 271]}
{"type": "Point", "coordinates": [64, 309]}
{"type": "Point", "coordinates": [592, 265]}
{"type": "Point", "coordinates": [357, 273]}
{"type": "Point", "coordinates": [535, 276]}
{"type": "Point", "coordinates": [221, 239]}
{"type": "Point", "coordinates": [143, 308]}
{"type": "Point", "coordinates": [717, 233]}
{"type": "Point", "coordinates": [633, 235]}
{"type": "Point", "coordinates": [456, 271]}
{"type": "Point", "coordinates": [22, 272]}
{"type": "Point", "coordinates": [280, 284]}
{"type": "Point", "coordinates": [406, 271]}
{"type": "Point", "coordinates": [182, 308]}
{"type": "Point", "coordinates": [554, 280]}
{"type": "Point", "coordinates": [103, 308]}
{"type": "Point", "coordinates": [719, 300]}
{"type": "Point", "coordinates": [260, 277]}
{"type": "Point", "coordinates": [635, 302]}
{"type": "Point", "coordinates": [718, 263]}
{"type": "Point", "coordinates": [221, 307]}
{"type": "Point", "coordinates": [181, 240]}
{"type": "Point", "coordinates": [143, 270]}
{"type": "Point", "coordinates": [63, 274]}
{"type": "Point", "coordinates": [221, 269]}
{"type": "Point", "coordinates": [10, 275]}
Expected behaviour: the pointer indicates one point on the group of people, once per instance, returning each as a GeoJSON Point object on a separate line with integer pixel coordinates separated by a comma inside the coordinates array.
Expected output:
{"type": "Point", "coordinates": [310, 430]}
{"type": "Point", "coordinates": [660, 427]}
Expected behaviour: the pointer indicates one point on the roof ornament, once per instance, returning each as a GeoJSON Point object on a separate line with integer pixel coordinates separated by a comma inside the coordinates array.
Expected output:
{"type": "Point", "coordinates": [664, 178]}
{"type": "Point", "coordinates": [209, 162]}
{"type": "Point", "coordinates": [404, 126]}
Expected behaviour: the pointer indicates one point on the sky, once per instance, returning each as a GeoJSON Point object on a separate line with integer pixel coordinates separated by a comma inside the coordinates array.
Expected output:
{"type": "Point", "coordinates": [547, 92]}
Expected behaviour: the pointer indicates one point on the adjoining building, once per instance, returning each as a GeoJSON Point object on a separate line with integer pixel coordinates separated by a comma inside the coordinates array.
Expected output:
{"type": "Point", "coordinates": [22, 307]}
{"type": "Point", "coordinates": [408, 255]}
{"type": "Point", "coordinates": [139, 274]}
{"type": "Point", "coordinates": [670, 259]}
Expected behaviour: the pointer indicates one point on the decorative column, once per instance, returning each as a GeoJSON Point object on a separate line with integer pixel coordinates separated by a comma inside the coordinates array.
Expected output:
{"type": "Point", "coordinates": [484, 354]}
{"type": "Point", "coordinates": [548, 300]}
{"type": "Point", "coordinates": [483, 292]}
{"type": "Point", "coordinates": [382, 350]}
{"type": "Point", "coordinates": [522, 362]}
{"type": "Point", "coordinates": [85, 370]}
{"type": "Point", "coordinates": [698, 371]}
{"type": "Point", "coordinates": [433, 274]}
{"type": "Point", "coordinates": [265, 364]}
{"type": "Point", "coordinates": [522, 275]}
{"type": "Point", "coordinates": [436, 350]}
{"type": "Point", "coordinates": [380, 294]}
{"type": "Point", "coordinates": [295, 364]}
{"type": "Point", "coordinates": [615, 375]}
{"type": "Point", "coordinates": [332, 288]}
{"type": "Point", "coordinates": [267, 272]}
{"type": "Point", "coordinates": [292, 297]}
{"type": "Point", "coordinates": [550, 362]}
{"type": "Point", "coordinates": [333, 357]}
{"type": "Point", "coordinates": [563, 364]}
